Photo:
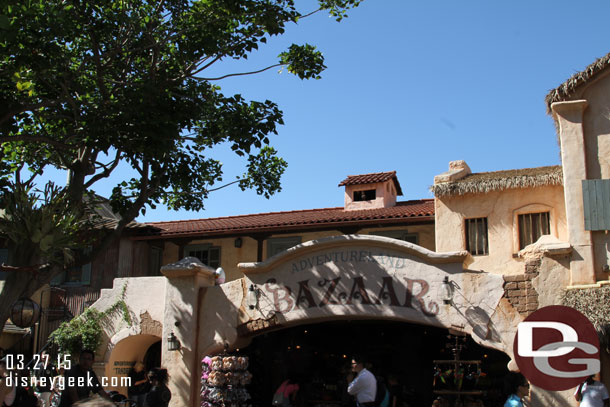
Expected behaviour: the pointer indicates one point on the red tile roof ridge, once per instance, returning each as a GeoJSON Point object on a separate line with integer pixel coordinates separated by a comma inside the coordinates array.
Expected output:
{"type": "Point", "coordinates": [372, 173]}
{"type": "Point", "coordinates": [401, 203]}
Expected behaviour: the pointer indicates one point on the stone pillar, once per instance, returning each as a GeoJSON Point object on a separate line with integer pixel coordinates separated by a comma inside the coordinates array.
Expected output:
{"type": "Point", "coordinates": [187, 280]}
{"type": "Point", "coordinates": [569, 116]}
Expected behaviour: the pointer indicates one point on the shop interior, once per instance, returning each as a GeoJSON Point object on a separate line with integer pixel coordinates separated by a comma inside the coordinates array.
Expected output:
{"type": "Point", "coordinates": [318, 356]}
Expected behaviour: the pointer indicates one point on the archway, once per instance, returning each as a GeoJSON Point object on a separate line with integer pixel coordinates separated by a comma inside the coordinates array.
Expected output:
{"type": "Point", "coordinates": [127, 352]}
{"type": "Point", "coordinates": [318, 356]}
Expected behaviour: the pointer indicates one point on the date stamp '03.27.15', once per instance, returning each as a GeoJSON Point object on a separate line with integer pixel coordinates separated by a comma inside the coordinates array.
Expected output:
{"type": "Point", "coordinates": [22, 374]}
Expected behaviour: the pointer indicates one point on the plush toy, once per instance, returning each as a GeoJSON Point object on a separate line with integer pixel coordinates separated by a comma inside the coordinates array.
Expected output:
{"type": "Point", "coordinates": [229, 363]}
{"type": "Point", "coordinates": [242, 362]}
{"type": "Point", "coordinates": [216, 363]}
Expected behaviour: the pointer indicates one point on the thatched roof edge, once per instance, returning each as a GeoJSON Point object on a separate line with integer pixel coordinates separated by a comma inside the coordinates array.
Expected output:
{"type": "Point", "coordinates": [498, 181]}
{"type": "Point", "coordinates": [594, 303]}
{"type": "Point", "coordinates": [566, 89]}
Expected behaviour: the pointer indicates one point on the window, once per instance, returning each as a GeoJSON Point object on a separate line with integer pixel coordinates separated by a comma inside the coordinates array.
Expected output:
{"type": "Point", "coordinates": [208, 254]}
{"type": "Point", "coordinates": [403, 235]}
{"type": "Point", "coordinates": [365, 195]}
{"type": "Point", "coordinates": [154, 263]}
{"type": "Point", "coordinates": [532, 226]}
{"type": "Point", "coordinates": [279, 244]}
{"type": "Point", "coordinates": [74, 275]}
{"type": "Point", "coordinates": [476, 236]}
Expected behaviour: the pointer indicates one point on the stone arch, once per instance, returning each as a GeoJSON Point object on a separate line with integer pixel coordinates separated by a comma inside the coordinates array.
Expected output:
{"type": "Point", "coordinates": [359, 277]}
{"type": "Point", "coordinates": [125, 352]}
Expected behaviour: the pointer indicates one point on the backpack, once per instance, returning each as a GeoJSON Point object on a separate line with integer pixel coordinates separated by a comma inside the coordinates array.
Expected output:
{"type": "Point", "coordinates": [382, 396]}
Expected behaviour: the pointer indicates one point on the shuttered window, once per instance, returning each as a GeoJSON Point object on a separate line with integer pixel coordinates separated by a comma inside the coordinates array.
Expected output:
{"type": "Point", "coordinates": [476, 236]}
{"type": "Point", "coordinates": [596, 201]}
{"type": "Point", "coordinates": [532, 226]}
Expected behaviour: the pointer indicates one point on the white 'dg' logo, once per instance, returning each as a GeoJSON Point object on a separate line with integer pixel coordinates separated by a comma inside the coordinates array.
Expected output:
{"type": "Point", "coordinates": [568, 344]}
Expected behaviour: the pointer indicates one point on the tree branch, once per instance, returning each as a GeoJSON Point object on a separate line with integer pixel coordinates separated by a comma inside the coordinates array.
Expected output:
{"type": "Point", "coordinates": [107, 171]}
{"type": "Point", "coordinates": [310, 14]}
{"type": "Point", "coordinates": [28, 108]}
{"type": "Point", "coordinates": [239, 74]}
{"type": "Point", "coordinates": [34, 139]}
{"type": "Point", "coordinates": [30, 269]}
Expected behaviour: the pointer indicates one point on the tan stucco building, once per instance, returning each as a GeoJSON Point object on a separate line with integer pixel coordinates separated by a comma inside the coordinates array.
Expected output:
{"type": "Point", "coordinates": [508, 242]}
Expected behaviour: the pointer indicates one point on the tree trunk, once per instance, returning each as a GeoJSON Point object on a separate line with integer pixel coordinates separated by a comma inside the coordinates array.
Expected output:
{"type": "Point", "coordinates": [16, 286]}
{"type": "Point", "coordinates": [22, 284]}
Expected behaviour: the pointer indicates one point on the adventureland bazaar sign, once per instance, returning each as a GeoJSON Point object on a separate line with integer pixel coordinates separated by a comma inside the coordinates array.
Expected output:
{"type": "Point", "coordinates": [355, 278]}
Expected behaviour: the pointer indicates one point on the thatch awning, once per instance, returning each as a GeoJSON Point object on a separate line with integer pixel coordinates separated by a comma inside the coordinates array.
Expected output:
{"type": "Point", "coordinates": [485, 182]}
{"type": "Point", "coordinates": [566, 89]}
{"type": "Point", "coordinates": [594, 303]}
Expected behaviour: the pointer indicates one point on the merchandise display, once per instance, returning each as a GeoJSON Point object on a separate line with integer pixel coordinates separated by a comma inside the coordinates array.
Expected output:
{"type": "Point", "coordinates": [223, 381]}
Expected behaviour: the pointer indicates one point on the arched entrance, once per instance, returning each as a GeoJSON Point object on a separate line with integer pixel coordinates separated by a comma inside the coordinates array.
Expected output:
{"type": "Point", "coordinates": [318, 356]}
{"type": "Point", "coordinates": [127, 352]}
{"type": "Point", "coordinates": [343, 278]}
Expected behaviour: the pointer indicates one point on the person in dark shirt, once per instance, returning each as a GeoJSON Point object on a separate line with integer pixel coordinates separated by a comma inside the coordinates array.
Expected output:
{"type": "Point", "coordinates": [44, 372]}
{"type": "Point", "coordinates": [139, 384]}
{"type": "Point", "coordinates": [159, 395]}
{"type": "Point", "coordinates": [81, 381]}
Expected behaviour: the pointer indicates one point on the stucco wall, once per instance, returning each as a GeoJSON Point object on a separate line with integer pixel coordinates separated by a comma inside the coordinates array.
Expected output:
{"type": "Point", "coordinates": [597, 128]}
{"type": "Point", "coordinates": [385, 196]}
{"type": "Point", "coordinates": [593, 137]}
{"type": "Point", "coordinates": [230, 255]}
{"type": "Point", "coordinates": [597, 152]}
{"type": "Point", "coordinates": [501, 209]}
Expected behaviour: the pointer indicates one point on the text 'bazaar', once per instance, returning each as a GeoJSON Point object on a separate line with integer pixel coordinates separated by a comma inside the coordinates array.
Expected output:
{"type": "Point", "coordinates": [393, 292]}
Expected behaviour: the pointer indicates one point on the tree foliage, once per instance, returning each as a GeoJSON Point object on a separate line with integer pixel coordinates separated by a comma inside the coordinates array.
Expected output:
{"type": "Point", "coordinates": [87, 86]}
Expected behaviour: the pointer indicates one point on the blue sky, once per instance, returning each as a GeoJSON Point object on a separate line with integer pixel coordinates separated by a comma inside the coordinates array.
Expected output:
{"type": "Point", "coordinates": [409, 87]}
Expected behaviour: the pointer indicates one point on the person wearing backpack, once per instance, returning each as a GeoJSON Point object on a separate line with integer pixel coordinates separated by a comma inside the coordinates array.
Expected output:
{"type": "Point", "coordinates": [363, 385]}
{"type": "Point", "coordinates": [286, 394]}
{"type": "Point", "coordinates": [382, 395]}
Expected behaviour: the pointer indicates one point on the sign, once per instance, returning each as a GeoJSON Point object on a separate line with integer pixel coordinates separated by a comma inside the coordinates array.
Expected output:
{"type": "Point", "coordinates": [556, 348]}
{"type": "Point", "coordinates": [382, 291]}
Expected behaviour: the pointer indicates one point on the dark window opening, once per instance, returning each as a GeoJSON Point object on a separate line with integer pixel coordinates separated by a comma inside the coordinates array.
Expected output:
{"type": "Point", "coordinates": [366, 195]}
{"type": "Point", "coordinates": [532, 226]}
{"type": "Point", "coordinates": [476, 236]}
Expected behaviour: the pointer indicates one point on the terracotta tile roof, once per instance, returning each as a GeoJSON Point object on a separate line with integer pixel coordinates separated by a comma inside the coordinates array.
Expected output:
{"type": "Point", "coordinates": [372, 179]}
{"type": "Point", "coordinates": [418, 210]}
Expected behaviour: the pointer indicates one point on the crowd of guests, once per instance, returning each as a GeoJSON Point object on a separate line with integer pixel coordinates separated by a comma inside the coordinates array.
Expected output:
{"type": "Point", "coordinates": [60, 387]}
{"type": "Point", "coordinates": [369, 390]}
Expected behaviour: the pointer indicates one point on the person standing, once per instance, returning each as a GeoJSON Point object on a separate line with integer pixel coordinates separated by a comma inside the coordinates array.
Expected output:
{"type": "Point", "coordinates": [363, 385]}
{"type": "Point", "coordinates": [83, 373]}
{"type": "Point", "coordinates": [592, 393]}
{"type": "Point", "coordinates": [44, 373]}
{"type": "Point", "coordinates": [517, 388]}
{"type": "Point", "coordinates": [7, 391]}
{"type": "Point", "coordinates": [139, 384]}
{"type": "Point", "coordinates": [288, 390]}
{"type": "Point", "coordinates": [159, 395]}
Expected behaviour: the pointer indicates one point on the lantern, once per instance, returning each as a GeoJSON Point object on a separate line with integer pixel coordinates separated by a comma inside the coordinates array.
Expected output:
{"type": "Point", "coordinates": [173, 343]}
{"type": "Point", "coordinates": [447, 290]}
{"type": "Point", "coordinates": [25, 313]}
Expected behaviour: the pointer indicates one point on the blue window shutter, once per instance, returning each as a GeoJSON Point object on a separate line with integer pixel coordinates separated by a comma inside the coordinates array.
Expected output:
{"type": "Point", "coordinates": [59, 279]}
{"type": "Point", "coordinates": [596, 204]}
{"type": "Point", "coordinates": [86, 274]}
